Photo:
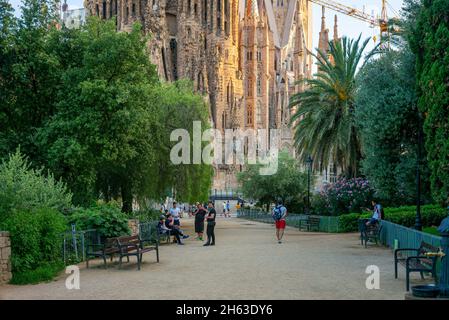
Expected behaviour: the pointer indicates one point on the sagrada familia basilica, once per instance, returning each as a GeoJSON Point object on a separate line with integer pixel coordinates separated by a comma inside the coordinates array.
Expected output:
{"type": "Point", "coordinates": [245, 56]}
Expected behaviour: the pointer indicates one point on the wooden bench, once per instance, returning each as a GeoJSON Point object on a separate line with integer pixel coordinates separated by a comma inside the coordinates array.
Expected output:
{"type": "Point", "coordinates": [369, 233]}
{"type": "Point", "coordinates": [310, 223]}
{"type": "Point", "coordinates": [135, 246]}
{"type": "Point", "coordinates": [415, 260]}
{"type": "Point", "coordinates": [108, 249]}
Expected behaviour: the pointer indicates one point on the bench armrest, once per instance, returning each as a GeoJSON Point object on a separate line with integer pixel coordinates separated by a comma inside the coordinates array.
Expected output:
{"type": "Point", "coordinates": [403, 249]}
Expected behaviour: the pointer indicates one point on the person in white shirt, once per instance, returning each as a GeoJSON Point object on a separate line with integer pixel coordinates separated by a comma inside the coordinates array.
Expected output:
{"type": "Point", "coordinates": [175, 212]}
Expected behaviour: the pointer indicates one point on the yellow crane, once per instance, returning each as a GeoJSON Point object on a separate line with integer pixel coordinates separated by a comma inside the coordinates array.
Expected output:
{"type": "Point", "coordinates": [381, 22]}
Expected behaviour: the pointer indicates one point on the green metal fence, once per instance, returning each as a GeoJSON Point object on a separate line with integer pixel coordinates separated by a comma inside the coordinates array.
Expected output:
{"type": "Point", "coordinates": [405, 237]}
{"type": "Point", "coordinates": [327, 224]}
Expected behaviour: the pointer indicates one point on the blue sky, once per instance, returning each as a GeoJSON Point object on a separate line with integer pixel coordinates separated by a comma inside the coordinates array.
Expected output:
{"type": "Point", "coordinates": [347, 26]}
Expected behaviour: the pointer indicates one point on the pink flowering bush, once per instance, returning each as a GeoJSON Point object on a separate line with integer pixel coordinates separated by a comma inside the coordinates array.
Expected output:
{"type": "Point", "coordinates": [344, 196]}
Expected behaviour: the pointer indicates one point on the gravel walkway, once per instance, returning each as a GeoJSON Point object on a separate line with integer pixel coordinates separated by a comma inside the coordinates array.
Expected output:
{"type": "Point", "coordinates": [246, 263]}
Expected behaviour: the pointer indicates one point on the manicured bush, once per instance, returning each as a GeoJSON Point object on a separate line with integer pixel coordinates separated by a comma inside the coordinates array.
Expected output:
{"type": "Point", "coordinates": [107, 219]}
{"type": "Point", "coordinates": [431, 215]}
{"type": "Point", "coordinates": [35, 240]}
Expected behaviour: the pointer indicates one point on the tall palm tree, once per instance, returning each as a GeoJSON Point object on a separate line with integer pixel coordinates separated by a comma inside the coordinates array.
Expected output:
{"type": "Point", "coordinates": [323, 114]}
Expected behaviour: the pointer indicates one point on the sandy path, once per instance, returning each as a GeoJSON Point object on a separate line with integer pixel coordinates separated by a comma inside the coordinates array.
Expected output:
{"type": "Point", "coordinates": [246, 263]}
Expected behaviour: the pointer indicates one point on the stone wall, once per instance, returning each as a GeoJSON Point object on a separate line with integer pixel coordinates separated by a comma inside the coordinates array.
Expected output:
{"type": "Point", "coordinates": [133, 225]}
{"type": "Point", "coordinates": [5, 257]}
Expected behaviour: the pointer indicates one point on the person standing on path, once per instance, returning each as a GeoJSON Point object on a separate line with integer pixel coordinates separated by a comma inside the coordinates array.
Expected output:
{"type": "Point", "coordinates": [279, 213]}
{"type": "Point", "coordinates": [210, 231]}
{"type": "Point", "coordinates": [175, 213]}
{"type": "Point", "coordinates": [200, 214]}
{"type": "Point", "coordinates": [228, 209]}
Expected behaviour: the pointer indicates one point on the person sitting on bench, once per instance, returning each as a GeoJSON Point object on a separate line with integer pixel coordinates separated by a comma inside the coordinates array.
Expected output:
{"type": "Point", "coordinates": [174, 229]}
{"type": "Point", "coordinates": [161, 228]}
{"type": "Point", "coordinates": [377, 214]}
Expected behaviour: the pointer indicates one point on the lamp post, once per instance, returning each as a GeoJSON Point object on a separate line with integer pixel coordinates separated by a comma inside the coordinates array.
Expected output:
{"type": "Point", "coordinates": [418, 223]}
{"type": "Point", "coordinates": [309, 161]}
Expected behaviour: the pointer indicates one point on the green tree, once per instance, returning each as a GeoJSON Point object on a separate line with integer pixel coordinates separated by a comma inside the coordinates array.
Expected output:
{"type": "Point", "coordinates": [430, 42]}
{"type": "Point", "coordinates": [29, 75]}
{"type": "Point", "coordinates": [180, 107]}
{"type": "Point", "coordinates": [289, 183]}
{"type": "Point", "coordinates": [100, 138]}
{"type": "Point", "coordinates": [388, 121]}
{"type": "Point", "coordinates": [323, 114]}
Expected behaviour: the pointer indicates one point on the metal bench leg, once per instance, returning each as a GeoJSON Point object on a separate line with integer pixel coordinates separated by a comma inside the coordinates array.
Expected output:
{"type": "Point", "coordinates": [395, 269]}
{"type": "Point", "coordinates": [407, 280]}
{"type": "Point", "coordinates": [120, 262]}
{"type": "Point", "coordinates": [105, 262]}
{"type": "Point", "coordinates": [87, 262]}
{"type": "Point", "coordinates": [157, 254]}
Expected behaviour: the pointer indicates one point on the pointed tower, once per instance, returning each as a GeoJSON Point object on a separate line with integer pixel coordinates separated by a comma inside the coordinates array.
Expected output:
{"type": "Point", "coordinates": [323, 44]}
{"type": "Point", "coordinates": [336, 29]}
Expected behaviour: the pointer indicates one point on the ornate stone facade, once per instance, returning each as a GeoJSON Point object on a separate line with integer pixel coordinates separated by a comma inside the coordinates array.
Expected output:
{"type": "Point", "coordinates": [244, 56]}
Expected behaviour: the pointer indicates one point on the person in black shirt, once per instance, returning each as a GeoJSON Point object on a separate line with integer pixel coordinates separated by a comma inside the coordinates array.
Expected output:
{"type": "Point", "coordinates": [200, 213]}
{"type": "Point", "coordinates": [210, 218]}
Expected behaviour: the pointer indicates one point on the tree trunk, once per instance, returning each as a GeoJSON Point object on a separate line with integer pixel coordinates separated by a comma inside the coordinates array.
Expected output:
{"type": "Point", "coordinates": [127, 196]}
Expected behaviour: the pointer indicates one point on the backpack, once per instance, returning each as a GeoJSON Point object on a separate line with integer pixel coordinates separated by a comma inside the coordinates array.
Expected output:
{"type": "Point", "coordinates": [277, 213]}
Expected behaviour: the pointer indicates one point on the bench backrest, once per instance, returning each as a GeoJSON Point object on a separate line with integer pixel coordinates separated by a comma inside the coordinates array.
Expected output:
{"type": "Point", "coordinates": [128, 240]}
{"type": "Point", "coordinates": [110, 243]}
{"type": "Point", "coordinates": [314, 220]}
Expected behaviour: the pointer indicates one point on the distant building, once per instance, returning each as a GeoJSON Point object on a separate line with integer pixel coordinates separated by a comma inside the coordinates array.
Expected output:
{"type": "Point", "coordinates": [74, 18]}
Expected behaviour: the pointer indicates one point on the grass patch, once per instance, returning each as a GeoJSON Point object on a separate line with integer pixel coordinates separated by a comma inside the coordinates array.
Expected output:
{"type": "Point", "coordinates": [43, 273]}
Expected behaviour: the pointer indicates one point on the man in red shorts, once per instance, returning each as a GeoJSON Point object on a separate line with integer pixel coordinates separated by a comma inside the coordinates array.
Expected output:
{"type": "Point", "coordinates": [279, 213]}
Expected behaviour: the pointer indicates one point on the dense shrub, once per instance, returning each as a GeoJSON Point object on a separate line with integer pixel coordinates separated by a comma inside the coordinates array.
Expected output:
{"type": "Point", "coordinates": [344, 196]}
{"type": "Point", "coordinates": [23, 188]}
{"type": "Point", "coordinates": [107, 219]}
{"type": "Point", "coordinates": [146, 215]}
{"type": "Point", "coordinates": [35, 238]}
{"type": "Point", "coordinates": [431, 215]}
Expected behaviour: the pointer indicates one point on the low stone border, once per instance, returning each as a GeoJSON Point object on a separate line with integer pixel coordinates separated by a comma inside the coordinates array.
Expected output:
{"type": "Point", "coordinates": [5, 257]}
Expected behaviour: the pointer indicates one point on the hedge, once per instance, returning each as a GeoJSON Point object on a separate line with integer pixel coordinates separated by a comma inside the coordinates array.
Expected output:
{"type": "Point", "coordinates": [431, 215]}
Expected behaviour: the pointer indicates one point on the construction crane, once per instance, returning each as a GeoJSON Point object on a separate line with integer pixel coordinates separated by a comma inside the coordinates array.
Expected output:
{"type": "Point", "coordinates": [382, 22]}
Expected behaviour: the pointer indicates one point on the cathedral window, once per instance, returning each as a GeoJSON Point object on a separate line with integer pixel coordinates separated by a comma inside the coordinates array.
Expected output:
{"type": "Point", "coordinates": [97, 10]}
{"type": "Point", "coordinates": [259, 112]}
{"type": "Point", "coordinates": [259, 86]}
{"type": "Point", "coordinates": [189, 6]}
{"type": "Point", "coordinates": [249, 89]}
{"type": "Point", "coordinates": [249, 115]}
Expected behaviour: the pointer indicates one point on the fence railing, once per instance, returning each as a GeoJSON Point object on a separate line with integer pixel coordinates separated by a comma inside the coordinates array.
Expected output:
{"type": "Point", "coordinates": [327, 223]}
{"type": "Point", "coordinates": [75, 244]}
{"type": "Point", "coordinates": [405, 237]}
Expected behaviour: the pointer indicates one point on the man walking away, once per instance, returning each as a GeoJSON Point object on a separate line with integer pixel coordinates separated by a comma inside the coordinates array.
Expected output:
{"type": "Point", "coordinates": [279, 213]}
{"type": "Point", "coordinates": [210, 231]}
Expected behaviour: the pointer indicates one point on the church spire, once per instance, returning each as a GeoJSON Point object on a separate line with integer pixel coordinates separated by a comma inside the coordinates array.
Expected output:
{"type": "Point", "coordinates": [252, 9]}
{"type": "Point", "coordinates": [335, 29]}
{"type": "Point", "coordinates": [323, 44]}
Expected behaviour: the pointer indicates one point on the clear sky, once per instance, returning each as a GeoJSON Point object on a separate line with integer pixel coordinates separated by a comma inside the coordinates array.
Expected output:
{"type": "Point", "coordinates": [348, 26]}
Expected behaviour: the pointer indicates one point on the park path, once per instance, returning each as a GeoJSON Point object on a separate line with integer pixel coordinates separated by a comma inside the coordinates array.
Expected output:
{"type": "Point", "coordinates": [246, 263]}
